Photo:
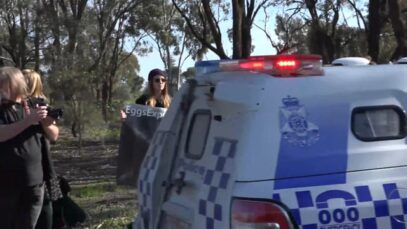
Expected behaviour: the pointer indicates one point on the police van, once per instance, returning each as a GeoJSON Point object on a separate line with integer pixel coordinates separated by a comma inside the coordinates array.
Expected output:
{"type": "Point", "coordinates": [280, 142]}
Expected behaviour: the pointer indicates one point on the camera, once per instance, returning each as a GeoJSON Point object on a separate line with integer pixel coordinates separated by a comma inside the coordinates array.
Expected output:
{"type": "Point", "coordinates": [55, 113]}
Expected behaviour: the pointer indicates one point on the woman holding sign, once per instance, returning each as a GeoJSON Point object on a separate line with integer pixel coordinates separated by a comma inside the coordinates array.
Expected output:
{"type": "Point", "coordinates": [139, 124]}
{"type": "Point", "coordinates": [157, 93]}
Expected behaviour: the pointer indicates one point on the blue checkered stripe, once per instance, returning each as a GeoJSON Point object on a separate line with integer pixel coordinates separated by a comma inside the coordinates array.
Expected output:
{"type": "Point", "coordinates": [147, 173]}
{"type": "Point", "coordinates": [216, 184]}
{"type": "Point", "coordinates": [379, 208]}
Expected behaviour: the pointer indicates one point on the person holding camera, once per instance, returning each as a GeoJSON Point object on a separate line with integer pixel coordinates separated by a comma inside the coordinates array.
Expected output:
{"type": "Point", "coordinates": [22, 125]}
{"type": "Point", "coordinates": [52, 191]}
{"type": "Point", "coordinates": [36, 93]}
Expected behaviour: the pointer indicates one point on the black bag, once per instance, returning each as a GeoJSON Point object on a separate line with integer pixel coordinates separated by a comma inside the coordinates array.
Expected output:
{"type": "Point", "coordinates": [66, 213]}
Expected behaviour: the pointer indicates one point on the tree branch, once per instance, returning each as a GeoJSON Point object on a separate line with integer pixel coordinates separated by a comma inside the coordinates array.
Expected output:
{"type": "Point", "coordinates": [195, 33]}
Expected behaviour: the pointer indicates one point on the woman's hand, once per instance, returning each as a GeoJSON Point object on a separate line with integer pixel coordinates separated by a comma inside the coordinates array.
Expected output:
{"type": "Point", "coordinates": [35, 115]}
{"type": "Point", "coordinates": [123, 115]}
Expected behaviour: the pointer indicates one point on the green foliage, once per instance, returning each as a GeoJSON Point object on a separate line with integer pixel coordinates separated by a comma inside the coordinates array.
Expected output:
{"type": "Point", "coordinates": [350, 42]}
{"type": "Point", "coordinates": [291, 33]}
{"type": "Point", "coordinates": [94, 190]}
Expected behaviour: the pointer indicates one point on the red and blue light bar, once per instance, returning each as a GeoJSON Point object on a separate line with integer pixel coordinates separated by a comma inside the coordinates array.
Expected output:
{"type": "Point", "coordinates": [275, 65]}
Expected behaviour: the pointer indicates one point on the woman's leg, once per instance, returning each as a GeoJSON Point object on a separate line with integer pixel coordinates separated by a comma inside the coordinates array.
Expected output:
{"type": "Point", "coordinates": [45, 219]}
{"type": "Point", "coordinates": [30, 206]}
{"type": "Point", "coordinates": [8, 206]}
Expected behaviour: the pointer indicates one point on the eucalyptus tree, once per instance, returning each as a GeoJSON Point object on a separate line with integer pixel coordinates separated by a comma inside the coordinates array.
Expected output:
{"type": "Point", "coordinates": [385, 24]}
{"type": "Point", "coordinates": [171, 37]}
{"type": "Point", "coordinates": [115, 22]}
{"type": "Point", "coordinates": [17, 43]}
{"type": "Point", "coordinates": [325, 27]}
{"type": "Point", "coordinates": [290, 31]}
{"type": "Point", "coordinates": [376, 21]}
{"type": "Point", "coordinates": [324, 21]}
{"type": "Point", "coordinates": [204, 18]}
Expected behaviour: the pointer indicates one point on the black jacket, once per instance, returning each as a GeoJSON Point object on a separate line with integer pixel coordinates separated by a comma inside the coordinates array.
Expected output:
{"type": "Point", "coordinates": [142, 100]}
{"type": "Point", "coordinates": [21, 156]}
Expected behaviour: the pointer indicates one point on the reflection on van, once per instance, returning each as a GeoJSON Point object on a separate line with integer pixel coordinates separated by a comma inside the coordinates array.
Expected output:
{"type": "Point", "coordinates": [350, 61]}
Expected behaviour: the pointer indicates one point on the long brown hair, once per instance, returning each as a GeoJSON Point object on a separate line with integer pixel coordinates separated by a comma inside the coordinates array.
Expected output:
{"type": "Point", "coordinates": [152, 101]}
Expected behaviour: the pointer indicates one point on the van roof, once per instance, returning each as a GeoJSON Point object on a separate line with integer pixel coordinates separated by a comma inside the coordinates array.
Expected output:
{"type": "Point", "coordinates": [402, 60]}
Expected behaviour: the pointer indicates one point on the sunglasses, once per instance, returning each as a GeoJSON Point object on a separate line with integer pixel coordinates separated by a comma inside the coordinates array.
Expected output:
{"type": "Point", "coordinates": [160, 80]}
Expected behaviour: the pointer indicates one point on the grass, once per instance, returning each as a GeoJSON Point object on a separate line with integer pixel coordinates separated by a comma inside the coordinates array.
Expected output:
{"type": "Point", "coordinates": [91, 174]}
{"type": "Point", "coordinates": [108, 206]}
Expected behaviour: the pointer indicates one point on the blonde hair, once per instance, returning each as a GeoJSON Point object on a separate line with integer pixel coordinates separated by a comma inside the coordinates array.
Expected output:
{"type": "Point", "coordinates": [15, 81]}
{"type": "Point", "coordinates": [152, 101]}
{"type": "Point", "coordinates": [34, 83]}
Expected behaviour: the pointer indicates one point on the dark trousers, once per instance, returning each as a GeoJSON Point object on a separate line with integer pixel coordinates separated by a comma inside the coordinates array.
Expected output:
{"type": "Point", "coordinates": [20, 207]}
{"type": "Point", "coordinates": [45, 219]}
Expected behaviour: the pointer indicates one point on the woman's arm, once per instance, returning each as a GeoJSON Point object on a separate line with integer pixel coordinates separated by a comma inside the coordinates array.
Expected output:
{"type": "Point", "coordinates": [9, 131]}
{"type": "Point", "coordinates": [50, 128]}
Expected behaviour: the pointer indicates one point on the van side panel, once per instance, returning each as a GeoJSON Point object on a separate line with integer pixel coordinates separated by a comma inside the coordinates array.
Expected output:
{"type": "Point", "coordinates": [313, 141]}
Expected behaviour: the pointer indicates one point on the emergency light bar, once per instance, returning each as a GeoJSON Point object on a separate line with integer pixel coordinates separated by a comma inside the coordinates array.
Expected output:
{"type": "Point", "coordinates": [275, 65]}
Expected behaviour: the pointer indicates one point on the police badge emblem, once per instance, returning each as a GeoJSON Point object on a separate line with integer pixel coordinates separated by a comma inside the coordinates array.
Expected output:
{"type": "Point", "coordinates": [295, 128]}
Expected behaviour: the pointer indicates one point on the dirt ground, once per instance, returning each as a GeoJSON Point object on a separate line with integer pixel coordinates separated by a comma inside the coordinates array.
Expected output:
{"type": "Point", "coordinates": [91, 172]}
{"type": "Point", "coordinates": [93, 163]}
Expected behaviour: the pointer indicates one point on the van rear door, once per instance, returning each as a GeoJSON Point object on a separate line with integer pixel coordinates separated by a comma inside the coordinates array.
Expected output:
{"type": "Point", "coordinates": [186, 178]}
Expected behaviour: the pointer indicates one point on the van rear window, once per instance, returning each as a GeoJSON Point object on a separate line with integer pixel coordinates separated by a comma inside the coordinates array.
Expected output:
{"type": "Point", "coordinates": [198, 134]}
{"type": "Point", "coordinates": [378, 123]}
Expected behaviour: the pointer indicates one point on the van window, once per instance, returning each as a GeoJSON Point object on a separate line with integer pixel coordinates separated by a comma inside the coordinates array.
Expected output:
{"type": "Point", "coordinates": [378, 123]}
{"type": "Point", "coordinates": [198, 134]}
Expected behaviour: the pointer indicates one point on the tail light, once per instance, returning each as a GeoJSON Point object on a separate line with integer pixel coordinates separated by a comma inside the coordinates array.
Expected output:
{"type": "Point", "coordinates": [252, 214]}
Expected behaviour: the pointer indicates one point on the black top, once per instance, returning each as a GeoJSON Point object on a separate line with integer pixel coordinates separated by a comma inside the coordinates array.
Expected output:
{"type": "Point", "coordinates": [142, 100]}
{"type": "Point", "coordinates": [20, 157]}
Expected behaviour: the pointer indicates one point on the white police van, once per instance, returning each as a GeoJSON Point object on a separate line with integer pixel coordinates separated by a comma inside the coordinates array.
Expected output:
{"type": "Point", "coordinates": [280, 142]}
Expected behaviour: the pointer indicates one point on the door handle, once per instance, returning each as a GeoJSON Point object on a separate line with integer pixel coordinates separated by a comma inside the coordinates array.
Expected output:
{"type": "Point", "coordinates": [179, 183]}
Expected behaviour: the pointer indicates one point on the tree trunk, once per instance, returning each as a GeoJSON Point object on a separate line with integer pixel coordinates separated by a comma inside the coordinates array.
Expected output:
{"type": "Point", "coordinates": [1, 57]}
{"type": "Point", "coordinates": [318, 42]}
{"type": "Point", "coordinates": [398, 28]}
{"type": "Point", "coordinates": [246, 38]}
{"type": "Point", "coordinates": [238, 14]}
{"type": "Point", "coordinates": [21, 40]}
{"type": "Point", "coordinates": [104, 100]}
{"type": "Point", "coordinates": [375, 27]}
{"type": "Point", "coordinates": [37, 38]}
